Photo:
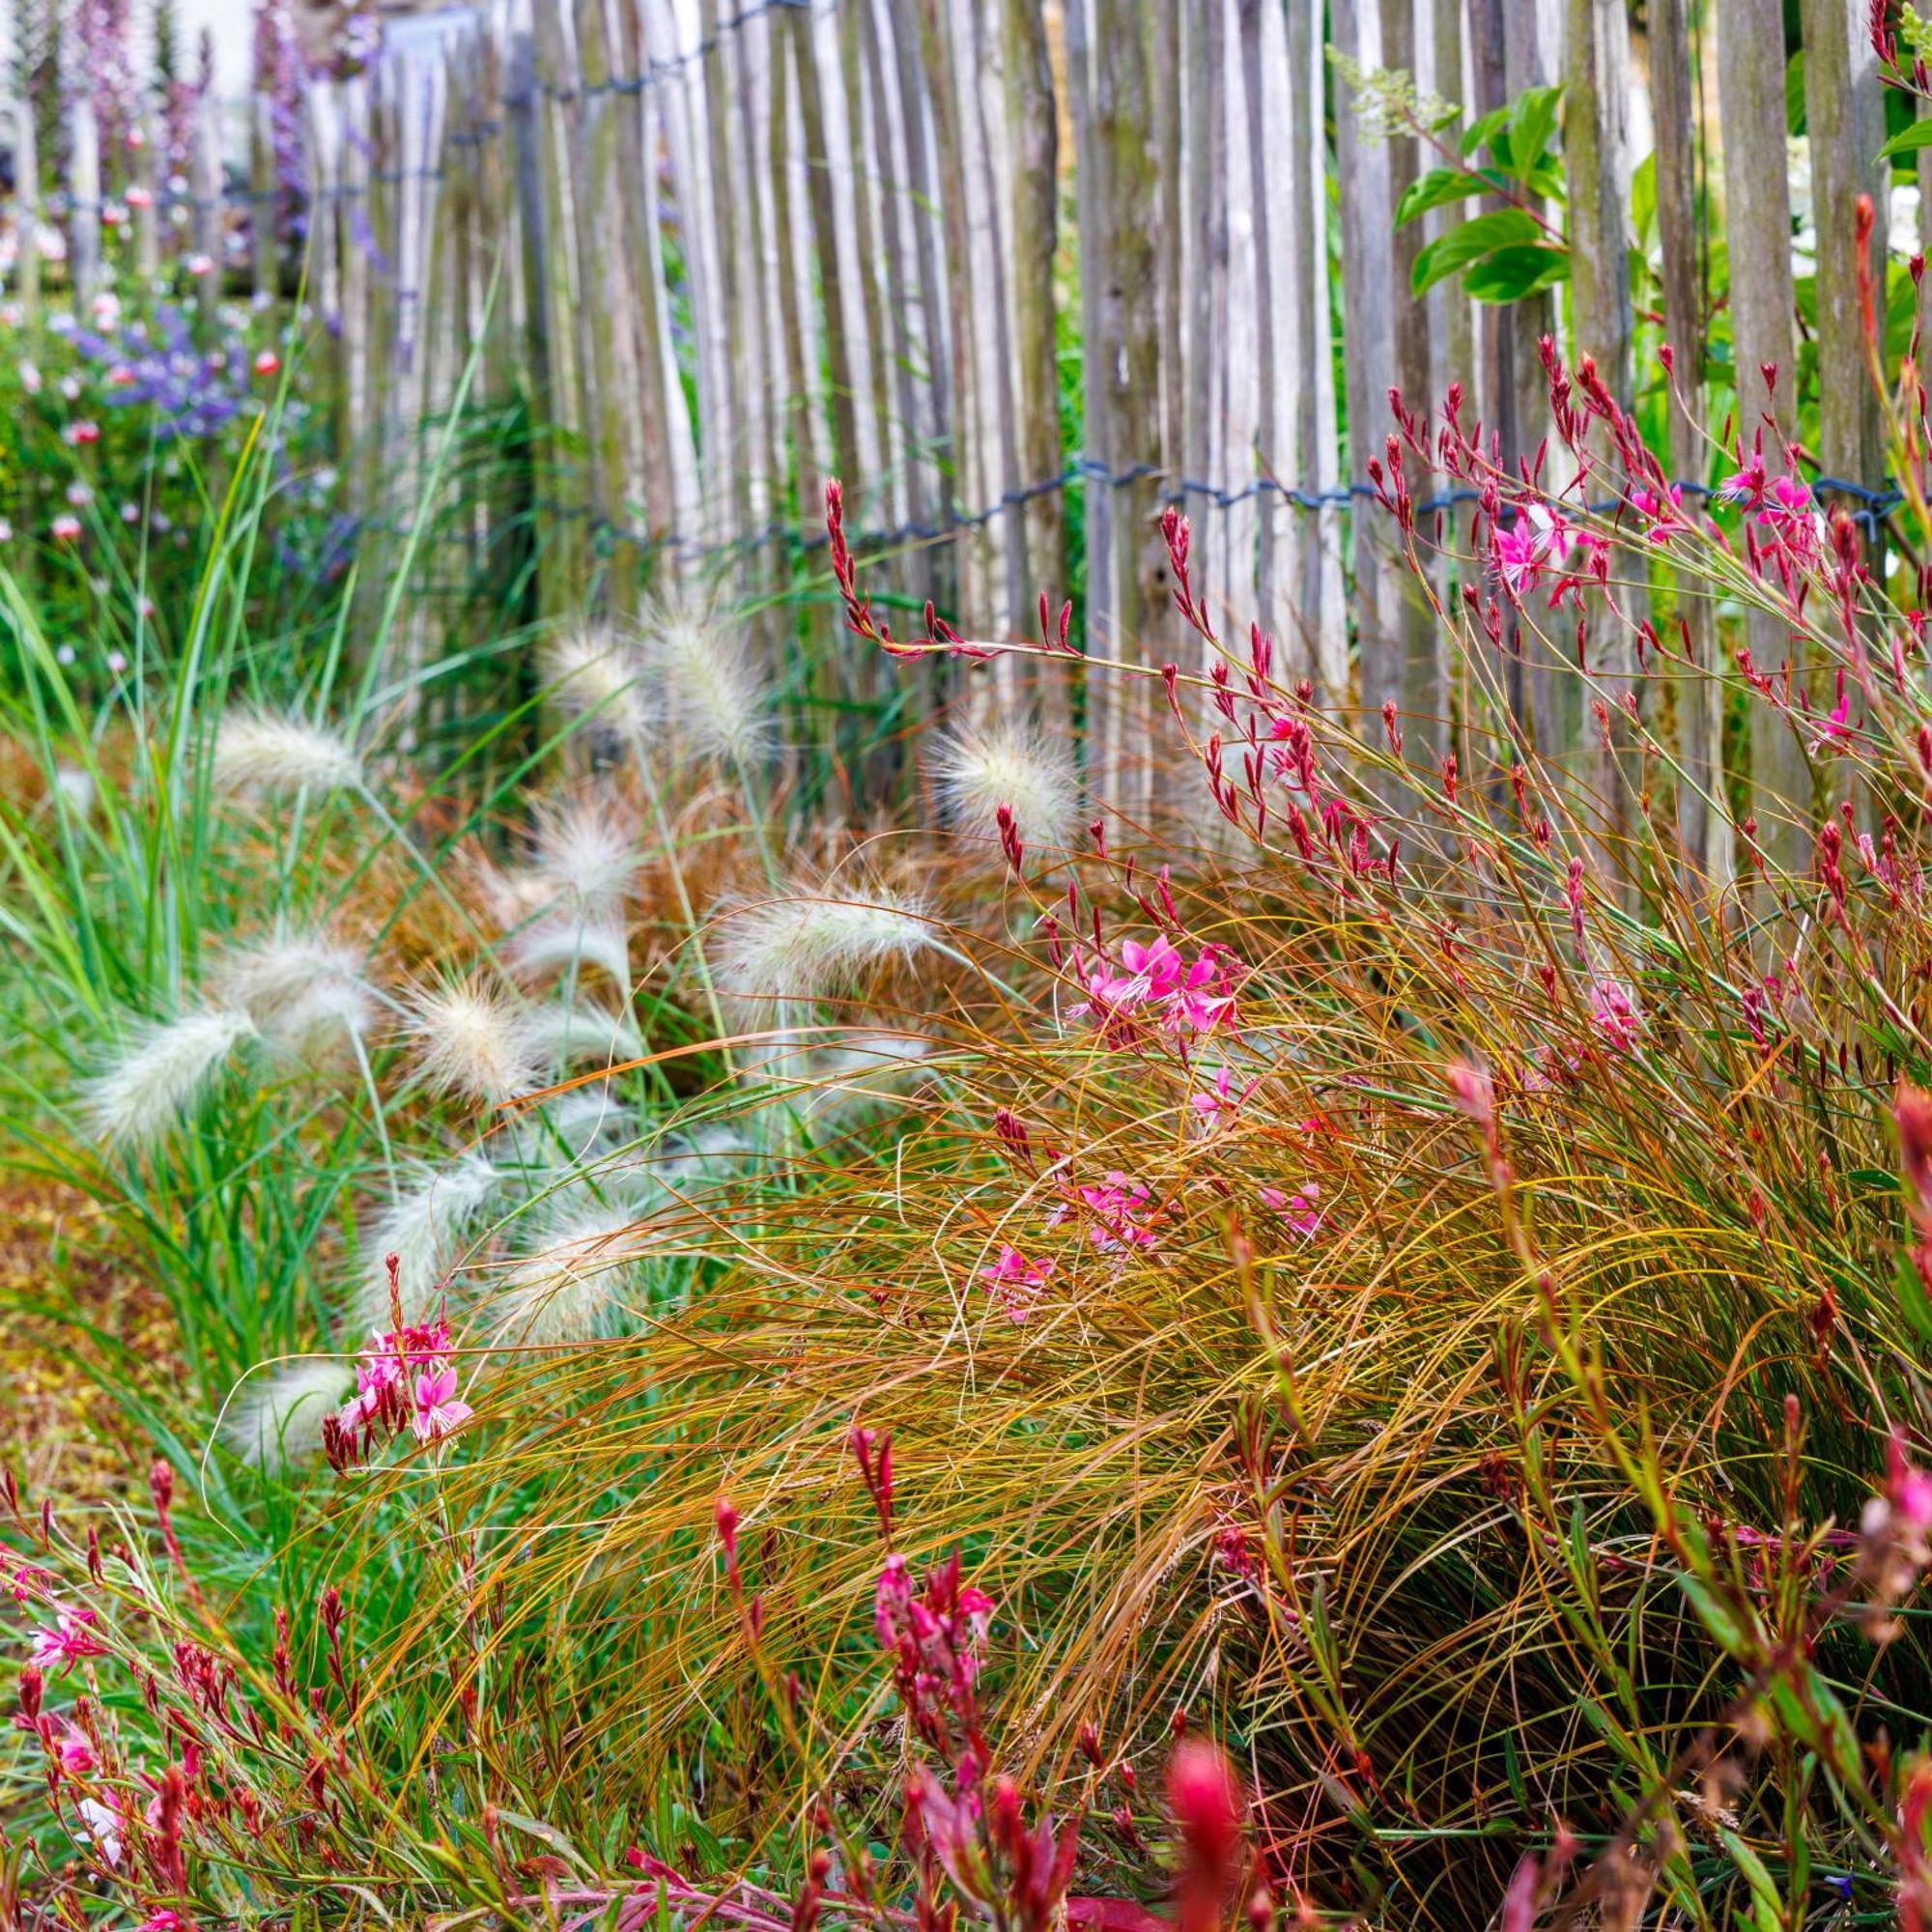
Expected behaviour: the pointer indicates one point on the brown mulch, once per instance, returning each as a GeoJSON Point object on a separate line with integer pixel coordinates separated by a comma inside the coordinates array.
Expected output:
{"type": "Point", "coordinates": [61, 1431]}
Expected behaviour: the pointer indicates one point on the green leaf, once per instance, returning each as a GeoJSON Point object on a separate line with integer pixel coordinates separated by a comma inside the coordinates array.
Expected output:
{"type": "Point", "coordinates": [1436, 189]}
{"type": "Point", "coordinates": [1509, 275]}
{"type": "Point", "coordinates": [1470, 243]}
{"type": "Point", "coordinates": [1531, 122]}
{"type": "Point", "coordinates": [1483, 132]}
{"type": "Point", "coordinates": [1794, 94]}
{"type": "Point", "coordinates": [1913, 1302]}
{"type": "Point", "coordinates": [1717, 1618]}
{"type": "Point", "coordinates": [1908, 140]}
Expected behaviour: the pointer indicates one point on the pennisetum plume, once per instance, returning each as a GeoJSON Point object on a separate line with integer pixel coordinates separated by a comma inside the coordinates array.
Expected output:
{"type": "Point", "coordinates": [163, 1073]}
{"type": "Point", "coordinates": [979, 771]}
{"type": "Point", "coordinates": [471, 1042]}
{"type": "Point", "coordinates": [276, 1421]}
{"type": "Point", "coordinates": [260, 753]}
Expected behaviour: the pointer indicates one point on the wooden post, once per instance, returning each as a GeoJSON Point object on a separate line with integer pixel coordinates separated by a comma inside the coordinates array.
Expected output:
{"type": "Point", "coordinates": [203, 181]}
{"type": "Point", "coordinates": [1844, 114]}
{"type": "Point", "coordinates": [1751, 89]}
{"type": "Point", "coordinates": [1368, 273]}
{"type": "Point", "coordinates": [1597, 86]}
{"type": "Point", "coordinates": [145, 197]}
{"type": "Point", "coordinates": [1122, 257]}
{"type": "Point", "coordinates": [1703, 817]}
{"type": "Point", "coordinates": [1422, 691]}
{"type": "Point", "coordinates": [642, 269]}
{"type": "Point", "coordinates": [263, 200]}
{"type": "Point", "coordinates": [1093, 188]}
{"type": "Point", "coordinates": [897, 211]}
{"type": "Point", "coordinates": [1323, 613]}
{"type": "Point", "coordinates": [28, 215]}
{"type": "Point", "coordinates": [83, 242]}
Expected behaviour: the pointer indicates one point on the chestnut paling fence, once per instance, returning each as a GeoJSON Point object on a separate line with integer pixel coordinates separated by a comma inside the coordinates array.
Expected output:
{"type": "Point", "coordinates": [721, 252]}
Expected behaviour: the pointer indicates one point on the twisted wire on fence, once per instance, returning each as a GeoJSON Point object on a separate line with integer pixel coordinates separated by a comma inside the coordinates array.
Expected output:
{"type": "Point", "coordinates": [1877, 505]}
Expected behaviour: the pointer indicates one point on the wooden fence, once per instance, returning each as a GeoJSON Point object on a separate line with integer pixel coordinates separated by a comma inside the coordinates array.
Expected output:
{"type": "Point", "coordinates": [723, 251]}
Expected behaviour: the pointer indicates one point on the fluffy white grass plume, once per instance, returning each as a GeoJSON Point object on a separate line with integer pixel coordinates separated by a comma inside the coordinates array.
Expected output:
{"type": "Point", "coordinates": [564, 1034]}
{"type": "Point", "coordinates": [568, 946]}
{"type": "Point", "coordinates": [586, 852]}
{"type": "Point", "coordinates": [469, 1040]}
{"type": "Point", "coordinates": [259, 753]}
{"type": "Point", "coordinates": [421, 1227]}
{"type": "Point", "coordinates": [565, 1289]}
{"type": "Point", "coordinates": [76, 789]}
{"type": "Point", "coordinates": [275, 1422]}
{"type": "Point", "coordinates": [304, 991]}
{"type": "Point", "coordinates": [164, 1069]}
{"type": "Point", "coordinates": [590, 672]}
{"type": "Point", "coordinates": [812, 938]}
{"type": "Point", "coordinates": [977, 772]}
{"type": "Point", "coordinates": [717, 697]}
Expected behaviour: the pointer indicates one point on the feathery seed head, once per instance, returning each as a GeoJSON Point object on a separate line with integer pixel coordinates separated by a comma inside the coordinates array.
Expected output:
{"type": "Point", "coordinates": [567, 946]}
{"type": "Point", "coordinates": [261, 752]}
{"type": "Point", "coordinates": [586, 854]}
{"type": "Point", "coordinates": [469, 1041]}
{"type": "Point", "coordinates": [591, 674]}
{"type": "Point", "coordinates": [303, 991]}
{"type": "Point", "coordinates": [277, 1421]}
{"type": "Point", "coordinates": [1009, 765]}
{"type": "Point", "coordinates": [716, 696]}
{"type": "Point", "coordinates": [810, 939]}
{"type": "Point", "coordinates": [163, 1073]}
{"type": "Point", "coordinates": [420, 1226]}
{"type": "Point", "coordinates": [565, 1034]}
{"type": "Point", "coordinates": [563, 1291]}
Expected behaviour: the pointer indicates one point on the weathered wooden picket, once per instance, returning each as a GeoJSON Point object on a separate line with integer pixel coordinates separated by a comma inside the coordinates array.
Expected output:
{"type": "Point", "coordinates": [722, 249]}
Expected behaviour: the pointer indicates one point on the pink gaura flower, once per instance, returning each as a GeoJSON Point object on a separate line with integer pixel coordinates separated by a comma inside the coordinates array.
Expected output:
{"type": "Point", "coordinates": [1836, 726]}
{"type": "Point", "coordinates": [1519, 553]}
{"type": "Point", "coordinates": [1156, 983]}
{"type": "Point", "coordinates": [1016, 1281]}
{"type": "Point", "coordinates": [1125, 1215]}
{"type": "Point", "coordinates": [1300, 1212]}
{"type": "Point", "coordinates": [71, 1639]}
{"type": "Point", "coordinates": [1614, 1016]}
{"type": "Point", "coordinates": [80, 434]}
{"type": "Point", "coordinates": [74, 1753]}
{"type": "Point", "coordinates": [266, 362]}
{"type": "Point", "coordinates": [437, 1409]}
{"type": "Point", "coordinates": [65, 529]}
{"type": "Point", "coordinates": [1218, 1097]}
